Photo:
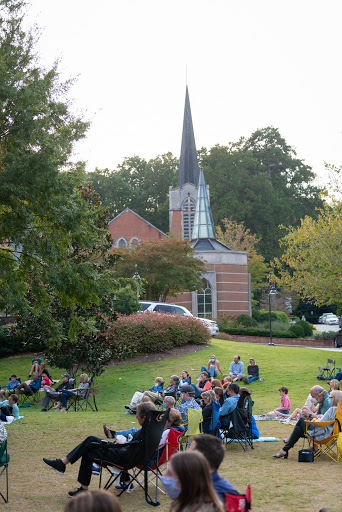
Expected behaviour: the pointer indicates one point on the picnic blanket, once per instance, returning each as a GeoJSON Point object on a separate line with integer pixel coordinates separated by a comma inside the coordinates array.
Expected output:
{"type": "Point", "coordinates": [10, 419]}
{"type": "Point", "coordinates": [260, 440]}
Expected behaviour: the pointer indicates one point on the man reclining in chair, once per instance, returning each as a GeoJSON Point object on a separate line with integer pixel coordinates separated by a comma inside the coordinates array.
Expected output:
{"type": "Point", "coordinates": [119, 454]}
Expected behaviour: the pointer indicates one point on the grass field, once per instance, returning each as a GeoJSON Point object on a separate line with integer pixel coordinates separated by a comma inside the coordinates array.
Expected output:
{"type": "Point", "coordinates": [281, 485]}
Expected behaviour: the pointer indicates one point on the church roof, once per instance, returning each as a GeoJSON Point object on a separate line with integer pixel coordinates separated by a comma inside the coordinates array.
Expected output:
{"type": "Point", "coordinates": [203, 237]}
{"type": "Point", "coordinates": [188, 164]}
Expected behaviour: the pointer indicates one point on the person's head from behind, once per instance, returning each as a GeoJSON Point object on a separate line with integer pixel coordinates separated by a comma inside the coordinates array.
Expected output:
{"type": "Point", "coordinates": [95, 500]}
{"type": "Point", "coordinates": [336, 397]}
{"type": "Point", "coordinates": [13, 399]}
{"type": "Point", "coordinates": [334, 384]}
{"type": "Point", "coordinates": [189, 473]}
{"type": "Point", "coordinates": [84, 378]}
{"type": "Point", "coordinates": [211, 447]}
{"type": "Point", "coordinates": [169, 402]}
{"type": "Point", "coordinates": [175, 418]}
{"type": "Point", "coordinates": [283, 391]}
{"type": "Point", "coordinates": [142, 411]}
{"type": "Point", "coordinates": [218, 393]}
{"type": "Point", "coordinates": [208, 397]}
{"type": "Point", "coordinates": [244, 394]}
{"type": "Point", "coordinates": [233, 389]}
{"type": "Point", "coordinates": [215, 383]}
{"type": "Point", "coordinates": [318, 393]}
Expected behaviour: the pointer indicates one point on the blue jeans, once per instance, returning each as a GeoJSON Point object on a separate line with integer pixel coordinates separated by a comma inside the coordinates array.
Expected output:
{"type": "Point", "coordinates": [126, 433]}
{"type": "Point", "coordinates": [252, 379]}
{"type": "Point", "coordinates": [212, 372]}
{"type": "Point", "coordinates": [65, 395]}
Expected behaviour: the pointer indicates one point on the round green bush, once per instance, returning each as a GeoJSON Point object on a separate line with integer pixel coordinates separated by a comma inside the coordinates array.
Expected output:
{"type": "Point", "coordinates": [306, 327]}
{"type": "Point", "coordinates": [297, 330]}
{"type": "Point", "coordinates": [246, 321]}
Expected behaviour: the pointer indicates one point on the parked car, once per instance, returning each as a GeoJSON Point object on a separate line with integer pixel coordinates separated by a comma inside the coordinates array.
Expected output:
{"type": "Point", "coordinates": [173, 309]}
{"type": "Point", "coordinates": [321, 318]}
{"type": "Point", "coordinates": [330, 319]}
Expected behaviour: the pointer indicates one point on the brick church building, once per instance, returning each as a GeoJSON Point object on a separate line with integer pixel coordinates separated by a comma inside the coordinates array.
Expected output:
{"type": "Point", "coordinates": [226, 282]}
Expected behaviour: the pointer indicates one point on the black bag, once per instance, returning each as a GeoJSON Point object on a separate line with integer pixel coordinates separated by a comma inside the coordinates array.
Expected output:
{"type": "Point", "coordinates": [7, 410]}
{"type": "Point", "coordinates": [306, 456]}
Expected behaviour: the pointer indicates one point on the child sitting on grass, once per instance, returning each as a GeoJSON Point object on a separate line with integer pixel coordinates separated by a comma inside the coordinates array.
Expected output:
{"type": "Point", "coordinates": [285, 404]}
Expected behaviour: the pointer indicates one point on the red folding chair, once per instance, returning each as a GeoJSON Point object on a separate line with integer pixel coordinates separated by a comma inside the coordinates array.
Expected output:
{"type": "Point", "coordinates": [239, 502]}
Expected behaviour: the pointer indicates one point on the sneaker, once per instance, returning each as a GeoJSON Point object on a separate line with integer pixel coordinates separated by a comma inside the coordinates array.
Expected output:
{"type": "Point", "coordinates": [71, 494]}
{"type": "Point", "coordinates": [130, 412]}
{"type": "Point", "coordinates": [130, 488]}
{"type": "Point", "coordinates": [43, 410]}
{"type": "Point", "coordinates": [56, 464]}
{"type": "Point", "coordinates": [96, 469]}
{"type": "Point", "coordinates": [129, 406]}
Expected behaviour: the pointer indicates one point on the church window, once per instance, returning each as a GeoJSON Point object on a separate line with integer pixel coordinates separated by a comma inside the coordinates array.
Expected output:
{"type": "Point", "coordinates": [122, 242]}
{"type": "Point", "coordinates": [134, 242]}
{"type": "Point", "coordinates": [204, 300]}
{"type": "Point", "coordinates": [188, 210]}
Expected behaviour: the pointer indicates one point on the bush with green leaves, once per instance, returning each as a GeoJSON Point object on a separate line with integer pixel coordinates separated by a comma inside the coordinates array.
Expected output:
{"type": "Point", "coordinates": [308, 331]}
{"type": "Point", "coordinates": [262, 316]}
{"type": "Point", "coordinates": [297, 329]}
{"type": "Point", "coordinates": [244, 331]}
{"type": "Point", "coordinates": [246, 321]}
{"type": "Point", "coordinates": [144, 333]}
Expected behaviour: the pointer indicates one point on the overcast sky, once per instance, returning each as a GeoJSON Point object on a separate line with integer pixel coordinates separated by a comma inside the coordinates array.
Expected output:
{"type": "Point", "coordinates": [251, 63]}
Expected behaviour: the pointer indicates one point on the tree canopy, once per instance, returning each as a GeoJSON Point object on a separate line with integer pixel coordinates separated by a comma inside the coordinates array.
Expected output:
{"type": "Point", "coordinates": [168, 266]}
{"type": "Point", "coordinates": [311, 263]}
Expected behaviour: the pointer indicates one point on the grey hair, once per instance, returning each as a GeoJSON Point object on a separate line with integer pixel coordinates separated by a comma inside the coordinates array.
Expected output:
{"type": "Point", "coordinates": [319, 391]}
{"type": "Point", "coordinates": [170, 400]}
{"type": "Point", "coordinates": [175, 378]}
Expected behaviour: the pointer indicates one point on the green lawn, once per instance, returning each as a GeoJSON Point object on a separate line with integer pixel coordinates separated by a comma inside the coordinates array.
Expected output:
{"type": "Point", "coordinates": [276, 484]}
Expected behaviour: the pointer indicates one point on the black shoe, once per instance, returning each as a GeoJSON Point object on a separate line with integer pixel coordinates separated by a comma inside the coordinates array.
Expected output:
{"type": "Point", "coordinates": [43, 410]}
{"type": "Point", "coordinates": [56, 464]}
{"type": "Point", "coordinates": [71, 494]}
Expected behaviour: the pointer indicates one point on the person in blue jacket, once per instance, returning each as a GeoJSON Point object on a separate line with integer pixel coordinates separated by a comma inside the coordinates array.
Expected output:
{"type": "Point", "coordinates": [10, 388]}
{"type": "Point", "coordinates": [230, 404]}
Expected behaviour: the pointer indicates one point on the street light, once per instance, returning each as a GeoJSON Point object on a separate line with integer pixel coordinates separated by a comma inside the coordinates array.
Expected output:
{"type": "Point", "coordinates": [137, 277]}
{"type": "Point", "coordinates": [271, 291]}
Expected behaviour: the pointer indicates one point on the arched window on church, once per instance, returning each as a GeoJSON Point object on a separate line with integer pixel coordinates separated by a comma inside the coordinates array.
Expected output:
{"type": "Point", "coordinates": [121, 242]}
{"type": "Point", "coordinates": [134, 242]}
{"type": "Point", "coordinates": [204, 300]}
{"type": "Point", "coordinates": [188, 214]}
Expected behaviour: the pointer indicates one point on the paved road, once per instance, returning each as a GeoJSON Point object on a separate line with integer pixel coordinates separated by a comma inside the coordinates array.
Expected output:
{"type": "Point", "coordinates": [327, 328]}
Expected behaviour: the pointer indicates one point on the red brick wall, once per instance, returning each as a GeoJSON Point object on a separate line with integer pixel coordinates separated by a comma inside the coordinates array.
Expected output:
{"type": "Point", "coordinates": [176, 222]}
{"type": "Point", "coordinates": [128, 225]}
{"type": "Point", "coordinates": [279, 341]}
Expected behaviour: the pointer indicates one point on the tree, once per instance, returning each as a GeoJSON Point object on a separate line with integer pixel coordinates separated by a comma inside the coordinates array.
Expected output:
{"type": "Point", "coordinates": [140, 185]}
{"type": "Point", "coordinates": [261, 182]}
{"type": "Point", "coordinates": [168, 266]}
{"type": "Point", "coordinates": [238, 238]}
{"type": "Point", "coordinates": [53, 230]}
{"type": "Point", "coordinates": [311, 263]}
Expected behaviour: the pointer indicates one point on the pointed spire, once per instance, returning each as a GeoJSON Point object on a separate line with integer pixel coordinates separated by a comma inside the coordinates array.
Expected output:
{"type": "Point", "coordinates": [203, 223]}
{"type": "Point", "coordinates": [188, 165]}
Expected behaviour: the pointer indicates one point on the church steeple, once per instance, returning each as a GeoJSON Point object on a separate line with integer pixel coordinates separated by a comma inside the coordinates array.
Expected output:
{"type": "Point", "coordinates": [188, 164]}
{"type": "Point", "coordinates": [203, 224]}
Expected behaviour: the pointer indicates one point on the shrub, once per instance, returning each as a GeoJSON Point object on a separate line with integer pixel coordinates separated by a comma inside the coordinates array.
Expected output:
{"type": "Point", "coordinates": [226, 321]}
{"type": "Point", "coordinates": [9, 343]}
{"type": "Point", "coordinates": [306, 327]}
{"type": "Point", "coordinates": [143, 333]}
{"type": "Point", "coordinates": [263, 316]}
{"type": "Point", "coordinates": [257, 332]}
{"type": "Point", "coordinates": [324, 335]}
{"type": "Point", "coordinates": [297, 330]}
{"type": "Point", "coordinates": [246, 321]}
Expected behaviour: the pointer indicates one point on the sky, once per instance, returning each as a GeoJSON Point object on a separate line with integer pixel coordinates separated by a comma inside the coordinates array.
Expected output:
{"type": "Point", "coordinates": [248, 64]}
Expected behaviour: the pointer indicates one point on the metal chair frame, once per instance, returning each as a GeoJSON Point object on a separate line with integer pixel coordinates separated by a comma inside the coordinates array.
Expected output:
{"type": "Point", "coordinates": [4, 460]}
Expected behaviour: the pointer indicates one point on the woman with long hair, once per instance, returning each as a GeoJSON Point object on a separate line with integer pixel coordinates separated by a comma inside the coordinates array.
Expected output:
{"type": "Point", "coordinates": [188, 482]}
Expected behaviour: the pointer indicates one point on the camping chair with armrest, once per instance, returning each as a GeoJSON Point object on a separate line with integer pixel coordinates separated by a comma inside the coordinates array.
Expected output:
{"type": "Point", "coordinates": [142, 452]}
{"type": "Point", "coordinates": [326, 446]}
{"type": "Point", "coordinates": [194, 427]}
{"type": "Point", "coordinates": [54, 400]}
{"type": "Point", "coordinates": [214, 426]}
{"type": "Point", "coordinates": [327, 371]}
{"type": "Point", "coordinates": [158, 464]}
{"type": "Point", "coordinates": [81, 402]}
{"type": "Point", "coordinates": [239, 502]}
{"type": "Point", "coordinates": [239, 429]}
{"type": "Point", "coordinates": [4, 460]}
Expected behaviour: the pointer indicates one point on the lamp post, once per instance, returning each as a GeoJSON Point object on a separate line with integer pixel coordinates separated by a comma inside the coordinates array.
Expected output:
{"type": "Point", "coordinates": [136, 277]}
{"type": "Point", "coordinates": [271, 291]}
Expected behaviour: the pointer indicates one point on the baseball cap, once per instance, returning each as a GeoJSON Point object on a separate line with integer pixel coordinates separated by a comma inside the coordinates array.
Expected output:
{"type": "Point", "coordinates": [66, 375]}
{"type": "Point", "coordinates": [187, 389]}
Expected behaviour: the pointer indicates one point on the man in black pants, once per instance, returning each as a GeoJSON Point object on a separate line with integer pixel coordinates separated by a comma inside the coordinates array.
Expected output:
{"type": "Point", "coordinates": [119, 454]}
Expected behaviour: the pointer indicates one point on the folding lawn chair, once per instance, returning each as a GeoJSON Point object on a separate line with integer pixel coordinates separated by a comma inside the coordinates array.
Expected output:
{"type": "Point", "coordinates": [326, 446]}
{"type": "Point", "coordinates": [194, 427]}
{"type": "Point", "coordinates": [142, 453]}
{"type": "Point", "coordinates": [214, 426]}
{"type": "Point", "coordinates": [327, 371]}
{"type": "Point", "coordinates": [240, 429]}
{"type": "Point", "coordinates": [4, 460]}
{"type": "Point", "coordinates": [239, 502]}
{"type": "Point", "coordinates": [81, 403]}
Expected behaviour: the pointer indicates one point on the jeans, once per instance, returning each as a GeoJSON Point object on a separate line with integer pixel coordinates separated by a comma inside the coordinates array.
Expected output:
{"type": "Point", "coordinates": [48, 395]}
{"type": "Point", "coordinates": [212, 372]}
{"type": "Point", "coordinates": [252, 379]}
{"type": "Point", "coordinates": [65, 395]}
